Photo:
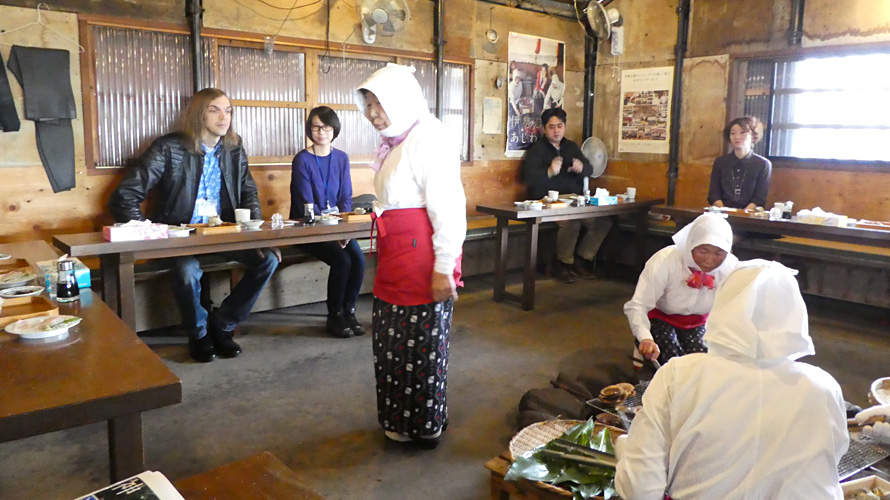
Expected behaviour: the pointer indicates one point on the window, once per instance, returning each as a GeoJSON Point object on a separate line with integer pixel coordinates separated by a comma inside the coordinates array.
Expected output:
{"type": "Point", "coordinates": [142, 87]}
{"type": "Point", "coordinates": [822, 107]}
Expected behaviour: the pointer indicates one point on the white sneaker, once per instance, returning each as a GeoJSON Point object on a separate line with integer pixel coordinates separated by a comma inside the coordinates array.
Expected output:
{"type": "Point", "coordinates": [395, 436]}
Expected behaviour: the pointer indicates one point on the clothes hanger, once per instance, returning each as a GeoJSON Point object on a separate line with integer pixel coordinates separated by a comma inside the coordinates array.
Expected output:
{"type": "Point", "coordinates": [41, 22]}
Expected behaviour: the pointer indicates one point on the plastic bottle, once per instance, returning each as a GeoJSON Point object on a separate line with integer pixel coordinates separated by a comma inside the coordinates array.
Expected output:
{"type": "Point", "coordinates": [786, 212]}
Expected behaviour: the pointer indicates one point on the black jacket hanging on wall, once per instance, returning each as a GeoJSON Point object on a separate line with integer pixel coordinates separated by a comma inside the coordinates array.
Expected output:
{"type": "Point", "coordinates": [45, 77]}
{"type": "Point", "coordinates": [9, 119]}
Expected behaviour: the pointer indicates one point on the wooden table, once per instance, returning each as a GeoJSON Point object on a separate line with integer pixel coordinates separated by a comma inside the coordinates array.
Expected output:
{"type": "Point", "coordinates": [260, 476]}
{"type": "Point", "coordinates": [638, 209]}
{"type": "Point", "coordinates": [117, 259]}
{"type": "Point", "coordinates": [741, 222]}
{"type": "Point", "coordinates": [101, 372]}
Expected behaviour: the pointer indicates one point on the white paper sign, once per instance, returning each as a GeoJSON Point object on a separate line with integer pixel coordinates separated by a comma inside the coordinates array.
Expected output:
{"type": "Point", "coordinates": [645, 111]}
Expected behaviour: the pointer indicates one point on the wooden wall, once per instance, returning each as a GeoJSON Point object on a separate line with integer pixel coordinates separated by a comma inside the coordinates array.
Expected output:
{"type": "Point", "coordinates": [30, 209]}
{"type": "Point", "coordinates": [720, 32]}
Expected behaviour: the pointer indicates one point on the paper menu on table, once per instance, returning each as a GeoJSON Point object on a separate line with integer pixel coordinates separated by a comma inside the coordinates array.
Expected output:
{"type": "Point", "coordinates": [149, 485]}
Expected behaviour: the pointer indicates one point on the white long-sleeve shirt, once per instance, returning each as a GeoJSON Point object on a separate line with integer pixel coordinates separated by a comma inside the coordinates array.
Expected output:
{"type": "Point", "coordinates": [662, 285]}
{"type": "Point", "coordinates": [424, 171]}
{"type": "Point", "coordinates": [737, 428]}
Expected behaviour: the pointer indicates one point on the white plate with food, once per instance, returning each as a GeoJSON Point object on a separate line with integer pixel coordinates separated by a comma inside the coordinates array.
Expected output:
{"type": "Point", "coordinates": [21, 291]}
{"type": "Point", "coordinates": [42, 327]}
{"type": "Point", "coordinates": [16, 277]}
{"type": "Point", "coordinates": [328, 220]}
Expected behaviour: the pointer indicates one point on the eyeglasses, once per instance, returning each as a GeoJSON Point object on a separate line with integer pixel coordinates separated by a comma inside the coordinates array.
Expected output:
{"type": "Point", "coordinates": [319, 128]}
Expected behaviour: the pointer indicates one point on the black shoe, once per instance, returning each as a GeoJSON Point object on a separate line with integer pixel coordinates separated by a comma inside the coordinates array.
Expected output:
{"type": "Point", "coordinates": [581, 268]}
{"type": "Point", "coordinates": [353, 323]}
{"type": "Point", "coordinates": [563, 273]}
{"type": "Point", "coordinates": [338, 326]}
{"type": "Point", "coordinates": [223, 341]}
{"type": "Point", "coordinates": [202, 350]}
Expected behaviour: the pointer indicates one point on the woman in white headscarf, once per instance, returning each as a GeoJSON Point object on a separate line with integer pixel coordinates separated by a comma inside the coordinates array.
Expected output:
{"type": "Point", "coordinates": [676, 289]}
{"type": "Point", "coordinates": [746, 420]}
{"type": "Point", "coordinates": [420, 215]}
{"type": "Point", "coordinates": [557, 89]}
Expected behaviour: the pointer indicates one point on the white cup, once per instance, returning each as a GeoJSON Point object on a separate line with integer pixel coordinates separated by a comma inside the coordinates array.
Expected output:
{"type": "Point", "coordinates": [242, 214]}
{"type": "Point", "coordinates": [631, 193]}
{"type": "Point", "coordinates": [552, 195]}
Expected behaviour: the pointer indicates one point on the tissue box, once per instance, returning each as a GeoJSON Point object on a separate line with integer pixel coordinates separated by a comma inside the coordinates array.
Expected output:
{"type": "Point", "coordinates": [135, 232]}
{"type": "Point", "coordinates": [81, 271]}
{"type": "Point", "coordinates": [604, 200]}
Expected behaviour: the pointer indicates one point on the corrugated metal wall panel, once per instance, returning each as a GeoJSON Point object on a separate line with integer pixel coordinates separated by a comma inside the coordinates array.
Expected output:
{"type": "Point", "coordinates": [251, 74]}
{"type": "Point", "coordinates": [270, 131]}
{"type": "Point", "coordinates": [338, 78]}
{"type": "Point", "coordinates": [141, 88]}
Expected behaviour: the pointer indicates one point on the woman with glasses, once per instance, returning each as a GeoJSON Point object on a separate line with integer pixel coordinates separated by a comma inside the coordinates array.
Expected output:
{"type": "Point", "coordinates": [320, 175]}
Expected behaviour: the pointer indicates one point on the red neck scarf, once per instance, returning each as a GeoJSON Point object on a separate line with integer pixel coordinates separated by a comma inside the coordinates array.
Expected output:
{"type": "Point", "coordinates": [699, 279]}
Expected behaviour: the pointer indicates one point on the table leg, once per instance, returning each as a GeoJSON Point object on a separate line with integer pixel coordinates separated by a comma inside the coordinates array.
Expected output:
{"type": "Point", "coordinates": [110, 280]}
{"type": "Point", "coordinates": [531, 258]}
{"type": "Point", "coordinates": [125, 451]}
{"type": "Point", "coordinates": [641, 219]}
{"type": "Point", "coordinates": [500, 264]}
{"type": "Point", "coordinates": [127, 290]}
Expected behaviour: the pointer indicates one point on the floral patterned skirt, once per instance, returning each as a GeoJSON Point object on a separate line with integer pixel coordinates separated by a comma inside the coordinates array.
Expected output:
{"type": "Point", "coordinates": [410, 364]}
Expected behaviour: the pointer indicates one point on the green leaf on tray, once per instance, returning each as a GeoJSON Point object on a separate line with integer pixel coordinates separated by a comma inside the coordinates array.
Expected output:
{"type": "Point", "coordinates": [584, 481]}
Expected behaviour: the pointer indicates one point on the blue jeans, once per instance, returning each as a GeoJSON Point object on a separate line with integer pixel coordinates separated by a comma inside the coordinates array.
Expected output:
{"type": "Point", "coordinates": [347, 272]}
{"type": "Point", "coordinates": [235, 308]}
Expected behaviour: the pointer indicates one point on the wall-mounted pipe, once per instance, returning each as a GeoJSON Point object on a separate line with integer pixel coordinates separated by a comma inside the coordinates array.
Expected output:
{"type": "Point", "coordinates": [439, 35]}
{"type": "Point", "coordinates": [590, 45]}
{"type": "Point", "coordinates": [677, 98]}
{"type": "Point", "coordinates": [795, 31]}
{"type": "Point", "coordinates": [194, 11]}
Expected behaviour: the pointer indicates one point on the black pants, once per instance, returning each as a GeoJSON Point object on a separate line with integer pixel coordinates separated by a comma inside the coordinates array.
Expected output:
{"type": "Point", "coordinates": [347, 272]}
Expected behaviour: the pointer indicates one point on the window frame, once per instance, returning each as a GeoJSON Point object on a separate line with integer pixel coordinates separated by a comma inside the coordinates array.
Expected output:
{"type": "Point", "coordinates": [312, 50]}
{"type": "Point", "coordinates": [737, 93]}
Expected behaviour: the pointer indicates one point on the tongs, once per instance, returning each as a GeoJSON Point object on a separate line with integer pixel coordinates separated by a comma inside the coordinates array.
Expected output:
{"type": "Point", "coordinates": [654, 362]}
{"type": "Point", "coordinates": [620, 409]}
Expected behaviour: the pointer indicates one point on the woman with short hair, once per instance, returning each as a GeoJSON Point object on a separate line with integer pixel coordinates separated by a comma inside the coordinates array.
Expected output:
{"type": "Point", "coordinates": [740, 179]}
{"type": "Point", "coordinates": [320, 175]}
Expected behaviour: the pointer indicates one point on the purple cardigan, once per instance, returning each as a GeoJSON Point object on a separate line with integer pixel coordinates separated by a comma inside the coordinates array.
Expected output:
{"type": "Point", "coordinates": [307, 185]}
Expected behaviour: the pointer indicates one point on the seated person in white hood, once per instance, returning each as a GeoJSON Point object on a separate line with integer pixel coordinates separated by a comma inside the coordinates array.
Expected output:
{"type": "Point", "coordinates": [676, 290]}
{"type": "Point", "coordinates": [745, 420]}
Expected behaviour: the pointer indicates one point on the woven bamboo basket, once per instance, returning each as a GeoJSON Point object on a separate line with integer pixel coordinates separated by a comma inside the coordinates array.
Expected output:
{"type": "Point", "coordinates": [542, 433]}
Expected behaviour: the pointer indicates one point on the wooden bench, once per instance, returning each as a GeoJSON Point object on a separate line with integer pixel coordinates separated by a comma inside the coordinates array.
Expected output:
{"type": "Point", "coordinates": [516, 490]}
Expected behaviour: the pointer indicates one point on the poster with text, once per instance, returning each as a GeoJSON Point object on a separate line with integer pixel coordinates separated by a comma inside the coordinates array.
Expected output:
{"type": "Point", "coordinates": [536, 73]}
{"type": "Point", "coordinates": [645, 110]}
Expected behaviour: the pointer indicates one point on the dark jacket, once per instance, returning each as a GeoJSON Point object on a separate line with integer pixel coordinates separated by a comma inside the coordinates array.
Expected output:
{"type": "Point", "coordinates": [749, 175]}
{"type": "Point", "coordinates": [533, 170]}
{"type": "Point", "coordinates": [176, 172]}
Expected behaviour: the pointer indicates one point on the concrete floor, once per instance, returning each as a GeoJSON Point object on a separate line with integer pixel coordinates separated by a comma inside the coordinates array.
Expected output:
{"type": "Point", "coordinates": [309, 398]}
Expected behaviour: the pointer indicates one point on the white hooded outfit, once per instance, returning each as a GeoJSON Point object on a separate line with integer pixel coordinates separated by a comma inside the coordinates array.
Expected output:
{"type": "Point", "coordinates": [424, 169]}
{"type": "Point", "coordinates": [745, 420]}
{"type": "Point", "coordinates": [662, 284]}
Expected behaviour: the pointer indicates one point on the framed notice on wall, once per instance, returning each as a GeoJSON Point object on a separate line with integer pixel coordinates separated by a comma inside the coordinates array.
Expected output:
{"type": "Point", "coordinates": [645, 110]}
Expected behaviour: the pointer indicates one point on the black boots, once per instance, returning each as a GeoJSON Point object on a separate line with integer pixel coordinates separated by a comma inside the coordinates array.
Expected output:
{"type": "Point", "coordinates": [344, 324]}
{"type": "Point", "coordinates": [356, 327]}
{"type": "Point", "coordinates": [202, 350]}
{"type": "Point", "coordinates": [338, 326]}
{"type": "Point", "coordinates": [223, 342]}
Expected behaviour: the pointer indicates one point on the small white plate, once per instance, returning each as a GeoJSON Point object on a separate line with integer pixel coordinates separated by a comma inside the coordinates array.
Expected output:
{"type": "Point", "coordinates": [4, 256]}
{"type": "Point", "coordinates": [328, 220]}
{"type": "Point", "coordinates": [21, 291]}
{"type": "Point", "coordinates": [252, 224]}
{"type": "Point", "coordinates": [42, 327]}
{"type": "Point", "coordinates": [9, 280]}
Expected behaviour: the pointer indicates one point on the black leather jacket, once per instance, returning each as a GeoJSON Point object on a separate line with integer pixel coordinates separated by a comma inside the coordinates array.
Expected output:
{"type": "Point", "coordinates": [176, 171]}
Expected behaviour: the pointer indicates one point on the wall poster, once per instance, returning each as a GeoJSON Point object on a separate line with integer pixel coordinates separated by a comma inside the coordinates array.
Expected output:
{"type": "Point", "coordinates": [536, 73]}
{"type": "Point", "coordinates": [645, 110]}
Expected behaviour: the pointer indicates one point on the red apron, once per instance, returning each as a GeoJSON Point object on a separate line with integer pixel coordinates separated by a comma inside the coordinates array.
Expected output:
{"type": "Point", "coordinates": [682, 321]}
{"type": "Point", "coordinates": [405, 257]}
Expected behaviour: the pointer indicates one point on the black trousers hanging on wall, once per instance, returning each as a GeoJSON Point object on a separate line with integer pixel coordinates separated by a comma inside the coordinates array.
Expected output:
{"type": "Point", "coordinates": [9, 119]}
{"type": "Point", "coordinates": [45, 77]}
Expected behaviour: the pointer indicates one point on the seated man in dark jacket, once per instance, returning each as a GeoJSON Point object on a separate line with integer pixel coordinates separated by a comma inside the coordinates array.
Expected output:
{"type": "Point", "coordinates": [199, 172]}
{"type": "Point", "coordinates": [554, 163]}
